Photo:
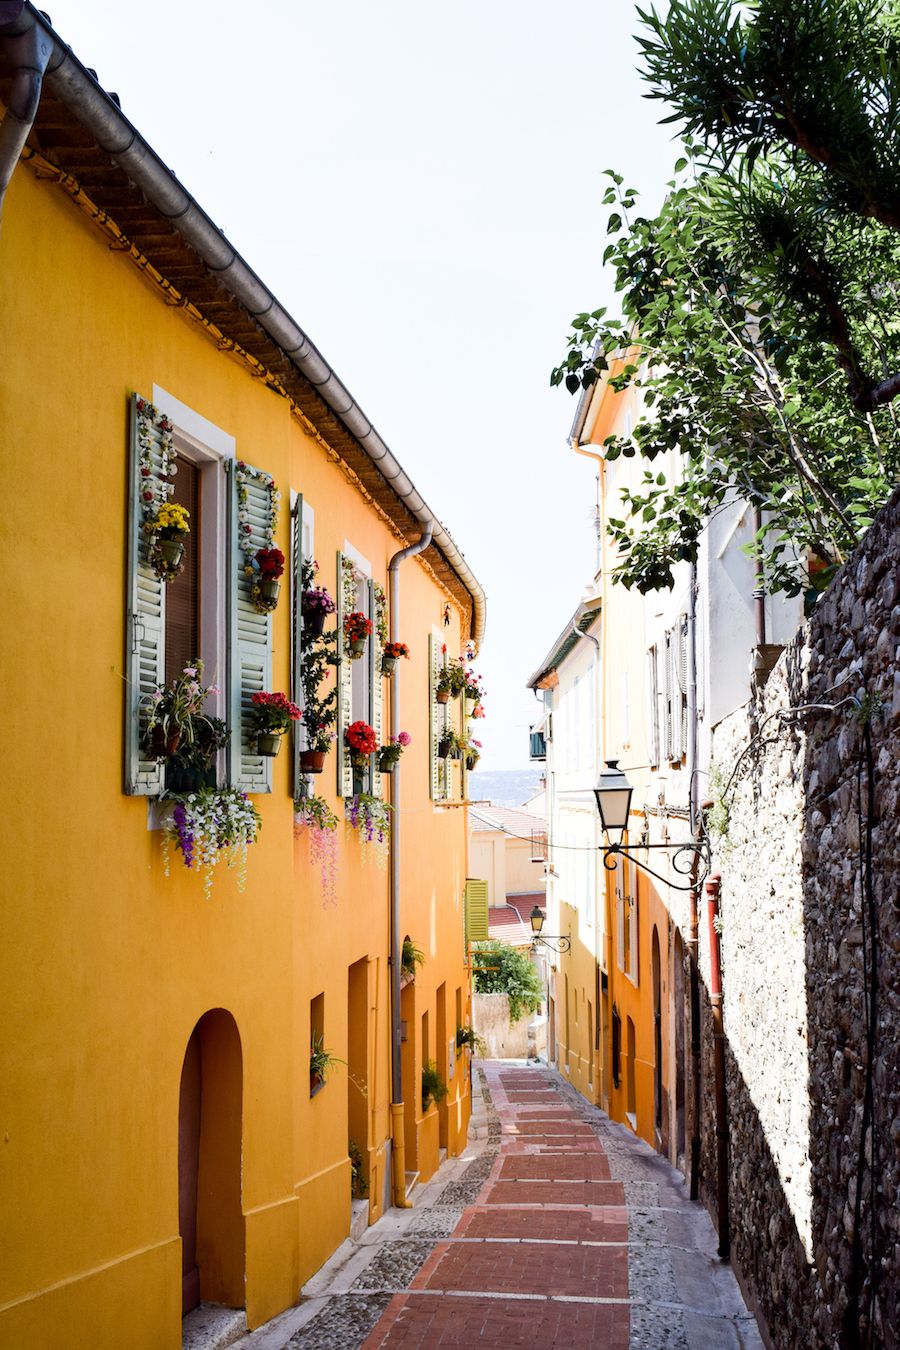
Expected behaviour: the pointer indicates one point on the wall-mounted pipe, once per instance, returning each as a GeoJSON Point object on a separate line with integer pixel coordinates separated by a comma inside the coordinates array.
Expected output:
{"type": "Point", "coordinates": [28, 48]}
{"type": "Point", "coordinates": [718, 1022]}
{"type": "Point", "coordinates": [71, 82]}
{"type": "Point", "coordinates": [398, 1141]}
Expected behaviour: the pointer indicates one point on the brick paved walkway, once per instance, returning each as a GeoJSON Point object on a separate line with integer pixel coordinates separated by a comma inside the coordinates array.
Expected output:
{"type": "Point", "coordinates": [565, 1231]}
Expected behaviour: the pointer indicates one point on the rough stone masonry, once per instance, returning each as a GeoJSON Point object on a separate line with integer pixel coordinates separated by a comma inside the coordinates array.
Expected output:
{"type": "Point", "coordinates": [815, 1225]}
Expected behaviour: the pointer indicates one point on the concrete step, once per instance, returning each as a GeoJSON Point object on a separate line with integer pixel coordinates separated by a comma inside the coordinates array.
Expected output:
{"type": "Point", "coordinates": [212, 1327]}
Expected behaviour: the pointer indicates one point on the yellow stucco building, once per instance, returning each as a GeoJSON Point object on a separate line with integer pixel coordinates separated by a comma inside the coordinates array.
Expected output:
{"type": "Point", "coordinates": [163, 1138]}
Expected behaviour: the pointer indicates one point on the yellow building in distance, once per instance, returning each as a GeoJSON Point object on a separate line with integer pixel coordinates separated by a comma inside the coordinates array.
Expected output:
{"type": "Point", "coordinates": [164, 1139]}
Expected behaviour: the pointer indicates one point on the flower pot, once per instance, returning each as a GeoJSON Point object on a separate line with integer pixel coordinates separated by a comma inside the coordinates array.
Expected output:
{"type": "Point", "coordinates": [471, 761]}
{"type": "Point", "coordinates": [455, 752]}
{"type": "Point", "coordinates": [356, 647]}
{"type": "Point", "coordinates": [172, 550]}
{"type": "Point", "coordinates": [471, 704]}
{"type": "Point", "coordinates": [443, 747]}
{"type": "Point", "coordinates": [359, 785]}
{"type": "Point", "coordinates": [442, 696]}
{"type": "Point", "coordinates": [386, 765]}
{"type": "Point", "coordinates": [312, 761]}
{"type": "Point", "coordinates": [163, 743]}
{"type": "Point", "coordinates": [268, 743]}
{"type": "Point", "coordinates": [389, 664]}
{"type": "Point", "coordinates": [313, 622]}
{"type": "Point", "coordinates": [269, 588]}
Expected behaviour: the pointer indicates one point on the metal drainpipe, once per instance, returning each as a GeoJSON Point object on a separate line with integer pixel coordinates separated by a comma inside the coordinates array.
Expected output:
{"type": "Point", "coordinates": [693, 942]}
{"type": "Point", "coordinates": [29, 49]}
{"type": "Point", "coordinates": [398, 1141]}
{"type": "Point", "coordinates": [716, 999]}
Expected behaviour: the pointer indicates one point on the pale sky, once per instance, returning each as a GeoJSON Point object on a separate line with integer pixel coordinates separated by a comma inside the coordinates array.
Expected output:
{"type": "Point", "coordinates": [420, 186]}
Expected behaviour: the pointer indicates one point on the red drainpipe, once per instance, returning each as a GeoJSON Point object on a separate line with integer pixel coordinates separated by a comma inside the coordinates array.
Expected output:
{"type": "Point", "coordinates": [712, 888]}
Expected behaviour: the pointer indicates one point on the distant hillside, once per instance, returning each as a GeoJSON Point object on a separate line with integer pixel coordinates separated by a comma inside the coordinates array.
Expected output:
{"type": "Point", "coordinates": [504, 787]}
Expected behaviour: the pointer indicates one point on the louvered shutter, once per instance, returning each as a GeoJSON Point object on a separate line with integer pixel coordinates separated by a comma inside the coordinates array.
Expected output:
{"type": "Point", "coordinates": [297, 633]}
{"type": "Point", "coordinates": [249, 632]}
{"type": "Point", "coordinates": [653, 706]}
{"type": "Point", "coordinates": [476, 911]}
{"type": "Point", "coordinates": [145, 629]}
{"type": "Point", "coordinates": [345, 691]}
{"type": "Point", "coordinates": [376, 689]}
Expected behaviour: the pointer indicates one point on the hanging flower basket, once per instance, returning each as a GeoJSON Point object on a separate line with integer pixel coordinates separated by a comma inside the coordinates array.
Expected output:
{"type": "Point", "coordinates": [313, 623]}
{"type": "Point", "coordinates": [445, 745]}
{"type": "Point", "coordinates": [268, 743]}
{"type": "Point", "coordinates": [172, 551]}
{"type": "Point", "coordinates": [315, 603]}
{"type": "Point", "coordinates": [356, 629]}
{"type": "Point", "coordinates": [388, 664]}
{"type": "Point", "coordinates": [391, 655]}
{"type": "Point", "coordinates": [164, 743]}
{"type": "Point", "coordinates": [356, 647]}
{"type": "Point", "coordinates": [270, 589]}
{"type": "Point", "coordinates": [272, 715]}
{"type": "Point", "coordinates": [442, 696]}
{"type": "Point", "coordinates": [312, 761]}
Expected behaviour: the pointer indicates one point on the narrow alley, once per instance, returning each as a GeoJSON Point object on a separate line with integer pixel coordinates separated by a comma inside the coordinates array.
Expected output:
{"type": "Point", "coordinates": [557, 1228]}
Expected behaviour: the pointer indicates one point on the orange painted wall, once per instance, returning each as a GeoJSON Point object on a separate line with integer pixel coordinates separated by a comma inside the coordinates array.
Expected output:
{"type": "Point", "coordinates": [107, 964]}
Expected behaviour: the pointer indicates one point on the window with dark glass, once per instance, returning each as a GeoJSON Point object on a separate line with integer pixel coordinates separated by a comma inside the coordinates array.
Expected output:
{"type": "Point", "coordinates": [183, 594]}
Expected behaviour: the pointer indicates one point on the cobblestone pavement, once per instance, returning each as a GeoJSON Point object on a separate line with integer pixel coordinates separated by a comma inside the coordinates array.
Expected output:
{"type": "Point", "coordinates": [557, 1228]}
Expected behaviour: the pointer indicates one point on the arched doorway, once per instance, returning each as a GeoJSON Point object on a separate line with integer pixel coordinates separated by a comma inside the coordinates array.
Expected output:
{"type": "Point", "coordinates": [210, 1218]}
{"type": "Point", "coordinates": [657, 1043]}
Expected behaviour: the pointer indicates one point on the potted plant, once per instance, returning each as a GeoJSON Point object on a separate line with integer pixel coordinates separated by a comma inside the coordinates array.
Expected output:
{"type": "Point", "coordinates": [268, 567]}
{"type": "Point", "coordinates": [362, 743]}
{"type": "Point", "coordinates": [468, 1036]}
{"type": "Point", "coordinates": [472, 753]}
{"type": "Point", "coordinates": [391, 655]}
{"type": "Point", "coordinates": [433, 1086]}
{"type": "Point", "coordinates": [313, 814]}
{"type": "Point", "coordinates": [389, 754]}
{"type": "Point", "coordinates": [317, 660]}
{"type": "Point", "coordinates": [410, 957]}
{"type": "Point", "coordinates": [450, 745]}
{"type": "Point", "coordinates": [451, 681]}
{"type": "Point", "coordinates": [315, 602]}
{"type": "Point", "coordinates": [312, 759]}
{"type": "Point", "coordinates": [472, 691]}
{"type": "Point", "coordinates": [272, 714]}
{"type": "Point", "coordinates": [356, 629]}
{"type": "Point", "coordinates": [371, 818]}
{"type": "Point", "coordinates": [174, 712]}
{"type": "Point", "coordinates": [168, 529]}
{"type": "Point", "coordinates": [321, 1062]}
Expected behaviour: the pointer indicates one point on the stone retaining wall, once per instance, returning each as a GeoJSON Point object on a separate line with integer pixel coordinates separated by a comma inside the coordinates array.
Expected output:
{"type": "Point", "coordinates": [796, 953]}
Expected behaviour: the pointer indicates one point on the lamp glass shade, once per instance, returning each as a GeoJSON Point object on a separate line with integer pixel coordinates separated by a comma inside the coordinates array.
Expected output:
{"type": "Point", "coordinates": [613, 793]}
{"type": "Point", "coordinates": [537, 920]}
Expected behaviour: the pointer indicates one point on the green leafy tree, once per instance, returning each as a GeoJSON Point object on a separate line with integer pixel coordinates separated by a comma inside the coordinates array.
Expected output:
{"type": "Point", "coordinates": [810, 91]}
{"type": "Point", "coordinates": [733, 383]}
{"type": "Point", "coordinates": [499, 969]}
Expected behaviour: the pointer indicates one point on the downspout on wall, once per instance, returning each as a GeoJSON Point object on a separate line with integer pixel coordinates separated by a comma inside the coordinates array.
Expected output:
{"type": "Point", "coordinates": [28, 48]}
{"type": "Point", "coordinates": [398, 1140]}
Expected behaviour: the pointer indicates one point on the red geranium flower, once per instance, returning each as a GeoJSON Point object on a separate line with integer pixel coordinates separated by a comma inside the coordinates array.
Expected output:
{"type": "Point", "coordinates": [361, 738]}
{"type": "Point", "coordinates": [271, 563]}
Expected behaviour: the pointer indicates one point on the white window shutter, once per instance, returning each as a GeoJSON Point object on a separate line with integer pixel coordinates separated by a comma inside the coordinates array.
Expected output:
{"type": "Point", "coordinates": [682, 680]}
{"type": "Point", "coordinates": [345, 691]}
{"type": "Point", "coordinates": [249, 632]}
{"type": "Point", "coordinates": [669, 695]}
{"type": "Point", "coordinates": [376, 690]}
{"type": "Point", "coordinates": [296, 633]}
{"type": "Point", "coordinates": [145, 627]}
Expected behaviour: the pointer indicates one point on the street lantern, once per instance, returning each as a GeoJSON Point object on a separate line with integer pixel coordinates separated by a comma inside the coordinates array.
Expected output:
{"type": "Point", "coordinates": [537, 920]}
{"type": "Point", "coordinates": [613, 793]}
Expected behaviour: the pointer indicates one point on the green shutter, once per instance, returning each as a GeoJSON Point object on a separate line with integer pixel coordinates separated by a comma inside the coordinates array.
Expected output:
{"type": "Point", "coordinates": [249, 632]}
{"type": "Point", "coordinates": [376, 690]}
{"type": "Point", "coordinates": [145, 628]}
{"type": "Point", "coordinates": [296, 633]}
{"type": "Point", "coordinates": [476, 911]}
{"type": "Point", "coordinates": [345, 691]}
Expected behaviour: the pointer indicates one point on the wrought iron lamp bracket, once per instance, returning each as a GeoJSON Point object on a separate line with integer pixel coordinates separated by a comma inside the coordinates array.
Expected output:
{"type": "Point", "coordinates": [683, 856]}
{"type": "Point", "coordinates": [556, 944]}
